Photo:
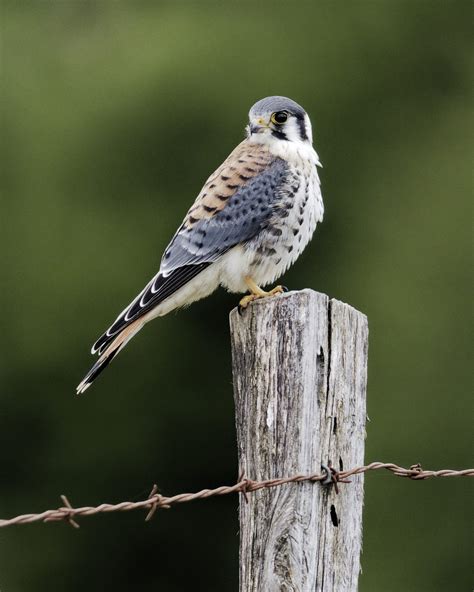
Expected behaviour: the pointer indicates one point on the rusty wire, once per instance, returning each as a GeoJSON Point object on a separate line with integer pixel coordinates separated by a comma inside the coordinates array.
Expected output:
{"type": "Point", "coordinates": [155, 501]}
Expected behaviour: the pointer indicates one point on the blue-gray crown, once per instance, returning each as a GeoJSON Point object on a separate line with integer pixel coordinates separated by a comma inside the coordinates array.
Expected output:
{"type": "Point", "coordinates": [271, 104]}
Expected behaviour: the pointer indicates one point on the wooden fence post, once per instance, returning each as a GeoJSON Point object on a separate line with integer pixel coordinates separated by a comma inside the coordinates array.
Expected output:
{"type": "Point", "coordinates": [300, 369]}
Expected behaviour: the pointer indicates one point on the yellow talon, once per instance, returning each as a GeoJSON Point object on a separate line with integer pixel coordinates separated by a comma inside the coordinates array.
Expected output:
{"type": "Point", "coordinates": [246, 300]}
{"type": "Point", "coordinates": [254, 289]}
{"type": "Point", "coordinates": [256, 292]}
{"type": "Point", "coordinates": [276, 290]}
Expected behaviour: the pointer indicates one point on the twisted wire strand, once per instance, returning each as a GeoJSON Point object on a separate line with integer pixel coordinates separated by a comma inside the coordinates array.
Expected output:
{"type": "Point", "coordinates": [157, 501]}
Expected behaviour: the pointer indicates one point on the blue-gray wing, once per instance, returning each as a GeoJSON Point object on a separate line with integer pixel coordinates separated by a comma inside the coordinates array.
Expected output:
{"type": "Point", "coordinates": [245, 213]}
{"type": "Point", "coordinates": [236, 202]}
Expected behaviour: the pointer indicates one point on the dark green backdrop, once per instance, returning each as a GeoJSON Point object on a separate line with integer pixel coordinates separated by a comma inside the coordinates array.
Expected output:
{"type": "Point", "coordinates": [114, 114]}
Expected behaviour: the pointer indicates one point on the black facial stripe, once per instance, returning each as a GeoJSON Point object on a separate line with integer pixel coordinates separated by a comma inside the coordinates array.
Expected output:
{"type": "Point", "coordinates": [280, 134]}
{"type": "Point", "coordinates": [302, 126]}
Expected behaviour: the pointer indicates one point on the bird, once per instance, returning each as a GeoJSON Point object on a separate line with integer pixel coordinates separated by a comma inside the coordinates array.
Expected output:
{"type": "Point", "coordinates": [250, 222]}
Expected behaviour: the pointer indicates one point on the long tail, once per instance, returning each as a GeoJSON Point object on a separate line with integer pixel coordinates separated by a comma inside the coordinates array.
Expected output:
{"type": "Point", "coordinates": [109, 354]}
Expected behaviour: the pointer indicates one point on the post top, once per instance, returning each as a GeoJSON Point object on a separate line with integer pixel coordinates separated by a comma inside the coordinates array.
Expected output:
{"type": "Point", "coordinates": [295, 297]}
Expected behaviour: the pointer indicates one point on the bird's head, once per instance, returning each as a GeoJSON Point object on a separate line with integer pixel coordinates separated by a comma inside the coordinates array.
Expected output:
{"type": "Point", "coordinates": [278, 118]}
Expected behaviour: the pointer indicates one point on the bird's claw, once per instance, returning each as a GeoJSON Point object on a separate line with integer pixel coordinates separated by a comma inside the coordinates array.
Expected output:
{"type": "Point", "coordinates": [246, 300]}
{"type": "Point", "coordinates": [277, 290]}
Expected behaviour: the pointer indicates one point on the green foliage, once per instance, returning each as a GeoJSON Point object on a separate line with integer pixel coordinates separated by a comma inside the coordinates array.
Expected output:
{"type": "Point", "coordinates": [115, 113]}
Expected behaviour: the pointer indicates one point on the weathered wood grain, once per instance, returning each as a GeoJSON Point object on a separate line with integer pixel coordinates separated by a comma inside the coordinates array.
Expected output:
{"type": "Point", "coordinates": [299, 367]}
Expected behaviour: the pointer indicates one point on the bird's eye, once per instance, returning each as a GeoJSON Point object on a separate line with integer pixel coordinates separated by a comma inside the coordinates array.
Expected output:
{"type": "Point", "coordinates": [279, 117]}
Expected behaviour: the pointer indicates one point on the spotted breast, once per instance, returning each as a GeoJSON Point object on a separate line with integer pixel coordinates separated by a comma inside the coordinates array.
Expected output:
{"type": "Point", "coordinates": [290, 228]}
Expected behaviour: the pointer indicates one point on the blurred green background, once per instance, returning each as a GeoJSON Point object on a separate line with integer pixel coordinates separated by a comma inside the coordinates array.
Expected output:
{"type": "Point", "coordinates": [114, 113]}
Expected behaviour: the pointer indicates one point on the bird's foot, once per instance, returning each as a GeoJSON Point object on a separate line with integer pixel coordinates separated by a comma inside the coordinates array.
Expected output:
{"type": "Point", "coordinates": [257, 294]}
{"type": "Point", "coordinates": [277, 290]}
{"type": "Point", "coordinates": [246, 300]}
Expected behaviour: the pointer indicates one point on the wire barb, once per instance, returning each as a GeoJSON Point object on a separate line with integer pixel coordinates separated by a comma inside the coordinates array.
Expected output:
{"type": "Point", "coordinates": [329, 476]}
{"type": "Point", "coordinates": [333, 477]}
{"type": "Point", "coordinates": [154, 502]}
{"type": "Point", "coordinates": [64, 513]}
{"type": "Point", "coordinates": [243, 485]}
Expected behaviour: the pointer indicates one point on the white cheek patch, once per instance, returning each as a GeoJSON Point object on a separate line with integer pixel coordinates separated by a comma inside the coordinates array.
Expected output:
{"type": "Point", "coordinates": [292, 130]}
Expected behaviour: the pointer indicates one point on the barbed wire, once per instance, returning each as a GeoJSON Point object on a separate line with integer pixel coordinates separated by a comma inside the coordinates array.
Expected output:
{"type": "Point", "coordinates": [156, 501]}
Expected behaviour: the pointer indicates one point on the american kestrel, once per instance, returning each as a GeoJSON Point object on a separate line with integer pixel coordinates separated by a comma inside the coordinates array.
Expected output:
{"type": "Point", "coordinates": [250, 222]}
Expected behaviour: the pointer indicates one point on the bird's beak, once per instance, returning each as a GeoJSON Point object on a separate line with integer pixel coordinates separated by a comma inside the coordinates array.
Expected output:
{"type": "Point", "coordinates": [258, 125]}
